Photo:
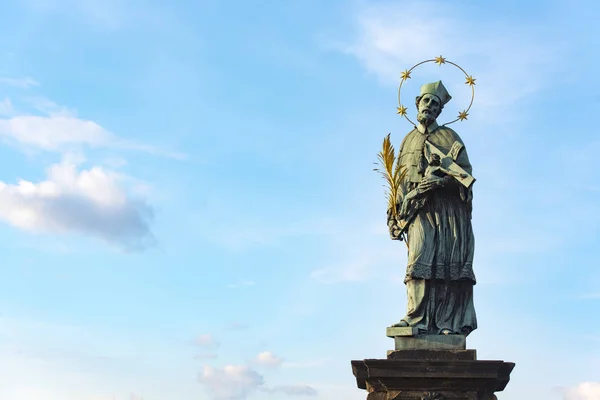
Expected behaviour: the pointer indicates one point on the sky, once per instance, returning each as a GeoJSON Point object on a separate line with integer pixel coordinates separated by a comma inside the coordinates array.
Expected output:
{"type": "Point", "coordinates": [188, 207]}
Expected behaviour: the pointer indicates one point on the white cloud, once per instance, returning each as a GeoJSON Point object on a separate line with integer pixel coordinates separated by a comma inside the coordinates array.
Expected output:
{"type": "Point", "coordinates": [206, 340]}
{"type": "Point", "coordinates": [69, 201]}
{"type": "Point", "coordinates": [584, 391]}
{"type": "Point", "coordinates": [24, 83]}
{"type": "Point", "coordinates": [92, 201]}
{"type": "Point", "coordinates": [237, 382]}
{"type": "Point", "coordinates": [233, 382]}
{"type": "Point", "coordinates": [268, 359]}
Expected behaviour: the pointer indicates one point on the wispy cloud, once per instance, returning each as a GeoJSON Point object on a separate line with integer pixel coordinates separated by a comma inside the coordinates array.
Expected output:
{"type": "Point", "coordinates": [268, 359]}
{"type": "Point", "coordinates": [512, 63]}
{"type": "Point", "coordinates": [6, 107]}
{"type": "Point", "coordinates": [24, 83]}
{"type": "Point", "coordinates": [509, 61]}
{"type": "Point", "coordinates": [292, 390]}
{"type": "Point", "coordinates": [108, 15]}
{"type": "Point", "coordinates": [54, 133]}
{"type": "Point", "coordinates": [45, 125]}
{"type": "Point", "coordinates": [207, 341]}
{"type": "Point", "coordinates": [360, 257]}
{"type": "Point", "coordinates": [62, 133]}
{"type": "Point", "coordinates": [232, 382]}
{"type": "Point", "coordinates": [49, 107]}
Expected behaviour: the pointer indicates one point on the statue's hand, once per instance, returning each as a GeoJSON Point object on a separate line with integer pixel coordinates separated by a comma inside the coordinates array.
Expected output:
{"type": "Point", "coordinates": [428, 184]}
{"type": "Point", "coordinates": [449, 180]}
{"type": "Point", "coordinates": [393, 227]}
{"type": "Point", "coordinates": [406, 204]}
{"type": "Point", "coordinates": [390, 217]}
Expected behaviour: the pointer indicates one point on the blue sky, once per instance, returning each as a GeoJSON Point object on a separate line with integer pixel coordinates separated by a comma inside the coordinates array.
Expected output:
{"type": "Point", "coordinates": [189, 209]}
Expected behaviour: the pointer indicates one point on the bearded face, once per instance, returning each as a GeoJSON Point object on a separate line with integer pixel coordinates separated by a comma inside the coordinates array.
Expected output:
{"type": "Point", "coordinates": [429, 108]}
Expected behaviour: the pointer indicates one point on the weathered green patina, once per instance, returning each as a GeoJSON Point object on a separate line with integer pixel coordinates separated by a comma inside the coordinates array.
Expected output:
{"type": "Point", "coordinates": [434, 217]}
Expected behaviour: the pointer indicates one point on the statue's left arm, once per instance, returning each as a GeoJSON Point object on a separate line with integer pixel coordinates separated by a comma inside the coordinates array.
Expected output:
{"type": "Point", "coordinates": [466, 194]}
{"type": "Point", "coordinates": [445, 138]}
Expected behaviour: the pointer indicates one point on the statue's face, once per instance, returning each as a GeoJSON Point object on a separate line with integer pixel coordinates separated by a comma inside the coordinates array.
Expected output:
{"type": "Point", "coordinates": [434, 160]}
{"type": "Point", "coordinates": [430, 106]}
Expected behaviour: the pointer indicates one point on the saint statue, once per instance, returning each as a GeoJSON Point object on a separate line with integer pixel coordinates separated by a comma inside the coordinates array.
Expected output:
{"type": "Point", "coordinates": [433, 216]}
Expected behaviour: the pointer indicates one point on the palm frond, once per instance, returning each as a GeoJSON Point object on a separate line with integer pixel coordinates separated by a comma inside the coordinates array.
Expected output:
{"type": "Point", "coordinates": [391, 171]}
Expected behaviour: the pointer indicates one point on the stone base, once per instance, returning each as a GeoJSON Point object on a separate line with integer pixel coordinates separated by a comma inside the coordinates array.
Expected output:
{"type": "Point", "coordinates": [410, 339]}
{"type": "Point", "coordinates": [439, 342]}
{"type": "Point", "coordinates": [431, 374]}
{"type": "Point", "coordinates": [429, 354]}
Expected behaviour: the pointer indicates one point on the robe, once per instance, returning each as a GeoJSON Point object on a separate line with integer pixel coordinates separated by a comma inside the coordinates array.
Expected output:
{"type": "Point", "coordinates": [439, 275]}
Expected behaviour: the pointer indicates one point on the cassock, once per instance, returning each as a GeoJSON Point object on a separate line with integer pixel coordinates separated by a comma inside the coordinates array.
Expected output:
{"type": "Point", "coordinates": [439, 275]}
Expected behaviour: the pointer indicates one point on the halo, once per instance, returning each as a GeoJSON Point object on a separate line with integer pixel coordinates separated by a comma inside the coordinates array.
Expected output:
{"type": "Point", "coordinates": [439, 61]}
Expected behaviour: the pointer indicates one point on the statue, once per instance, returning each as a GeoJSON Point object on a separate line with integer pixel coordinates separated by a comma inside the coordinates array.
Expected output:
{"type": "Point", "coordinates": [430, 209]}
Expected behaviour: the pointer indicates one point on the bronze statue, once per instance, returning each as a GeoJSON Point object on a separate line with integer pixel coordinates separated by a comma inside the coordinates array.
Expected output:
{"type": "Point", "coordinates": [431, 211]}
{"type": "Point", "coordinates": [429, 208]}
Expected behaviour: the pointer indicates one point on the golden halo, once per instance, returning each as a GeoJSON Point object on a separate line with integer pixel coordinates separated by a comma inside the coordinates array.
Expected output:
{"type": "Point", "coordinates": [439, 61]}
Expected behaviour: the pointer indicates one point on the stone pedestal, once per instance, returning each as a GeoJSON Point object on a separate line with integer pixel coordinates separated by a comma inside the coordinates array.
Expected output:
{"type": "Point", "coordinates": [430, 367]}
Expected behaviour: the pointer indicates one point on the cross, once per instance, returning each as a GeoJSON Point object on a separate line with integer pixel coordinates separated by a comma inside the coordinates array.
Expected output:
{"type": "Point", "coordinates": [449, 162]}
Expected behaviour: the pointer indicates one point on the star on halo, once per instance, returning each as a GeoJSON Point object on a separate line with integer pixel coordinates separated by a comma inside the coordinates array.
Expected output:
{"type": "Point", "coordinates": [401, 110]}
{"type": "Point", "coordinates": [470, 80]}
{"type": "Point", "coordinates": [440, 60]}
{"type": "Point", "coordinates": [405, 75]}
{"type": "Point", "coordinates": [462, 115]}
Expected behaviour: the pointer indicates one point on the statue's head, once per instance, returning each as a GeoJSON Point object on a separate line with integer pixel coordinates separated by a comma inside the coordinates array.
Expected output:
{"type": "Point", "coordinates": [435, 160]}
{"type": "Point", "coordinates": [431, 101]}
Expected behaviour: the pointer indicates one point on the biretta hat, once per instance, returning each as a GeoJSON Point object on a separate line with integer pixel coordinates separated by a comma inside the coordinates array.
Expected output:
{"type": "Point", "coordinates": [437, 89]}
